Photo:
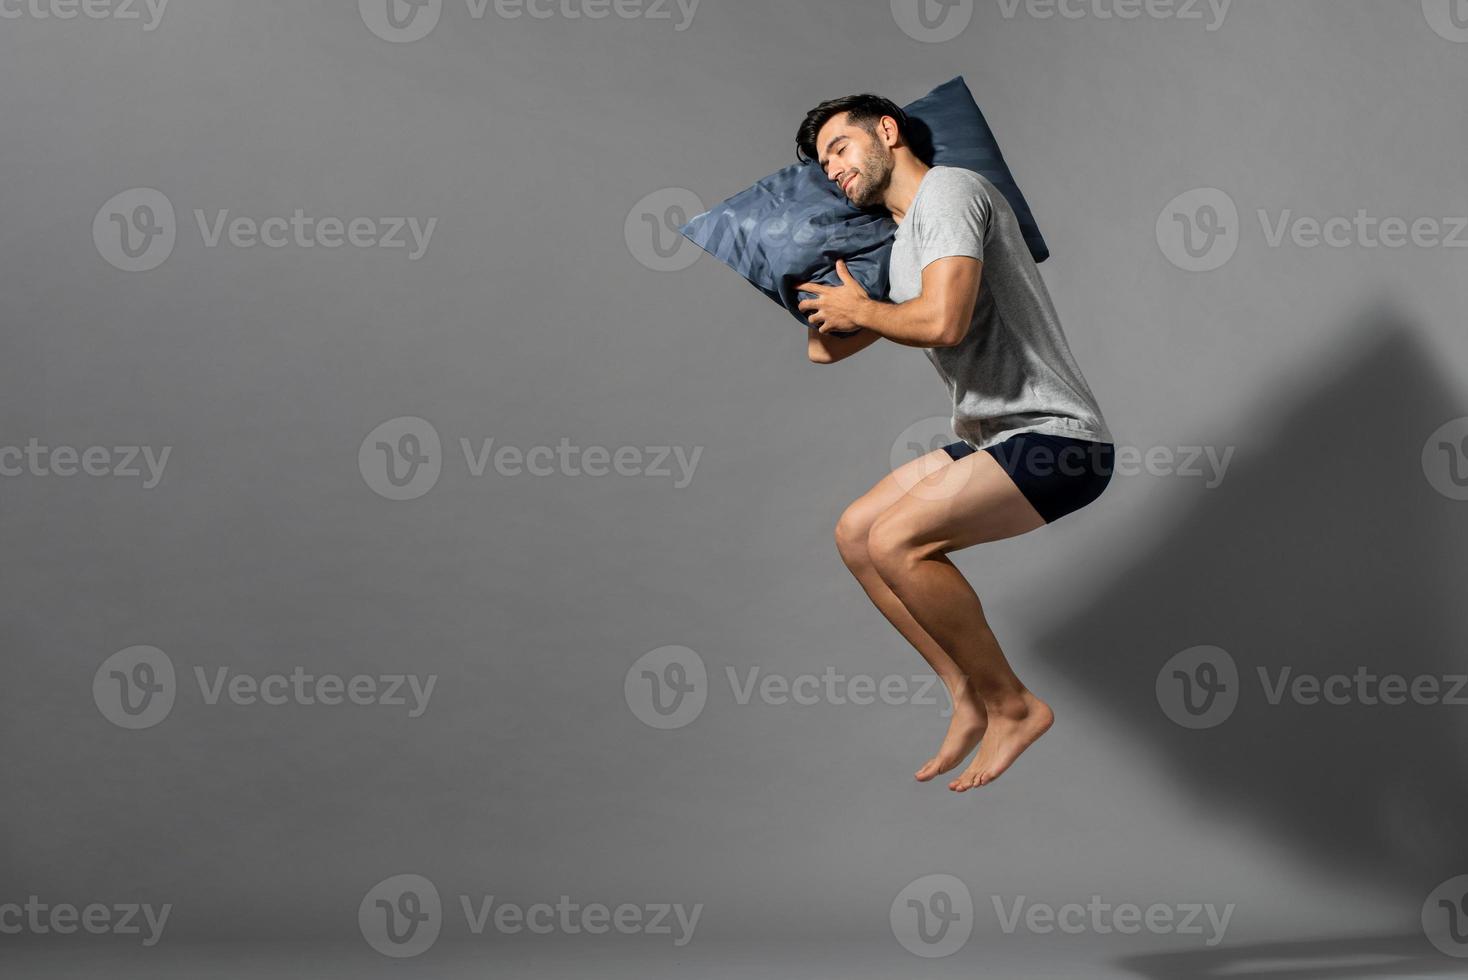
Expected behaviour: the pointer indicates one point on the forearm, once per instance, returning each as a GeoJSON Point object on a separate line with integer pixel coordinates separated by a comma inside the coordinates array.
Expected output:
{"type": "Point", "coordinates": [912, 324]}
{"type": "Point", "coordinates": [828, 348]}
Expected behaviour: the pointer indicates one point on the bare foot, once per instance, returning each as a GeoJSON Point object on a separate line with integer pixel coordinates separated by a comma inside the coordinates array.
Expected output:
{"type": "Point", "coordinates": [1014, 725]}
{"type": "Point", "coordinates": [964, 732]}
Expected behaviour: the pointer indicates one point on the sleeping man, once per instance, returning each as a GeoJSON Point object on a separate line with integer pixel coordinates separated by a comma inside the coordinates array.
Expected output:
{"type": "Point", "coordinates": [1033, 444]}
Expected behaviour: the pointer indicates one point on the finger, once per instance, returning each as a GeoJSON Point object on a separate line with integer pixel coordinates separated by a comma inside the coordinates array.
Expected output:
{"type": "Point", "coordinates": [809, 287]}
{"type": "Point", "coordinates": [842, 271]}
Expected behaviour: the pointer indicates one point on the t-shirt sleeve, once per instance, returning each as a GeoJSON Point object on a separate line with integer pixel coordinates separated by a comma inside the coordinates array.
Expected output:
{"type": "Point", "coordinates": [954, 218]}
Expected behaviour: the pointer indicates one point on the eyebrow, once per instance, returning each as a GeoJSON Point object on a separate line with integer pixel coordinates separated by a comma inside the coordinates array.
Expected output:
{"type": "Point", "coordinates": [834, 140]}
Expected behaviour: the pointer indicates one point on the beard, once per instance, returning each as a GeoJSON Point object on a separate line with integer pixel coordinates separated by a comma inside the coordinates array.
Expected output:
{"type": "Point", "coordinates": [871, 181]}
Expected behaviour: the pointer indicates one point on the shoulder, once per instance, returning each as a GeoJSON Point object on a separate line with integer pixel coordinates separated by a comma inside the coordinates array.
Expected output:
{"type": "Point", "coordinates": [957, 184]}
{"type": "Point", "coordinates": [952, 196]}
{"type": "Point", "coordinates": [959, 177]}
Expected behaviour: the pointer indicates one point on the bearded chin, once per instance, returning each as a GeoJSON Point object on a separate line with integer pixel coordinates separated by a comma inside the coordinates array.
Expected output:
{"type": "Point", "coordinates": [877, 181]}
{"type": "Point", "coordinates": [873, 186]}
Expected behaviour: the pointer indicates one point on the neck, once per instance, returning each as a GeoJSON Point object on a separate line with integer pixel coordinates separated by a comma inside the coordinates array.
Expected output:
{"type": "Point", "coordinates": [907, 174]}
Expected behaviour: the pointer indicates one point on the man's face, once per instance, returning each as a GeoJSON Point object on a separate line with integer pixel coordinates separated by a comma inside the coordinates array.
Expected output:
{"type": "Point", "coordinates": [858, 162]}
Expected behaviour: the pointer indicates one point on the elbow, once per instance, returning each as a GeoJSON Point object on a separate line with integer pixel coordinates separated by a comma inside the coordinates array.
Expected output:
{"type": "Point", "coordinates": [950, 334]}
{"type": "Point", "coordinates": [945, 326]}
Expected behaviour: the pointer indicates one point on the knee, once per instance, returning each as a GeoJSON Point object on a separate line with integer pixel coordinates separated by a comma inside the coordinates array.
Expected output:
{"type": "Point", "coordinates": [890, 546]}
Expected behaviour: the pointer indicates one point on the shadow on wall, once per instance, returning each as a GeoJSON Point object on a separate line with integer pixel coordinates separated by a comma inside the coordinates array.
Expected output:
{"type": "Point", "coordinates": [1367, 957]}
{"type": "Point", "coordinates": [1324, 550]}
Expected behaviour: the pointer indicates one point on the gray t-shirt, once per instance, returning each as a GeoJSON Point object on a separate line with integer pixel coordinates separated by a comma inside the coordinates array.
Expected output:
{"type": "Point", "coordinates": [1014, 371]}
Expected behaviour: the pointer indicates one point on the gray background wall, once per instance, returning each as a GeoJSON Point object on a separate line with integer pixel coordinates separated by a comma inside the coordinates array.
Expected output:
{"type": "Point", "coordinates": [536, 315]}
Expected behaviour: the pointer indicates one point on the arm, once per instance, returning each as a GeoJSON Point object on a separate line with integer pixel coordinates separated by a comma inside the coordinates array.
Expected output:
{"type": "Point", "coordinates": [828, 348]}
{"type": "Point", "coordinates": [938, 317]}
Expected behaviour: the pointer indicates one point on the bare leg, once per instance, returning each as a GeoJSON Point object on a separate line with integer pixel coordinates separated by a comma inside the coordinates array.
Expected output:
{"type": "Point", "coordinates": [970, 502]}
{"type": "Point", "coordinates": [966, 727]}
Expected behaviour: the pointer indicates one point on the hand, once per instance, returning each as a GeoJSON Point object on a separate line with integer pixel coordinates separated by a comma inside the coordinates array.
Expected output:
{"type": "Point", "coordinates": [835, 308]}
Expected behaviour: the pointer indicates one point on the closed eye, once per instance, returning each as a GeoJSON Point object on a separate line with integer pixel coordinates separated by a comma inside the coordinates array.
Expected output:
{"type": "Point", "coordinates": [826, 165]}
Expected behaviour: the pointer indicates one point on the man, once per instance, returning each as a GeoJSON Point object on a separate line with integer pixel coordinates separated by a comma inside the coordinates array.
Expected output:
{"type": "Point", "coordinates": [964, 287]}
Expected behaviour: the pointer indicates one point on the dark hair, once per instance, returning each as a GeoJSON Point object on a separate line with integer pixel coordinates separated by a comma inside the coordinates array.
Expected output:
{"type": "Point", "coordinates": [866, 110]}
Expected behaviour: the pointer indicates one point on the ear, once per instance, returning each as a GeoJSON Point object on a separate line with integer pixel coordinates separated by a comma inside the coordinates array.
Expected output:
{"type": "Point", "coordinates": [889, 131]}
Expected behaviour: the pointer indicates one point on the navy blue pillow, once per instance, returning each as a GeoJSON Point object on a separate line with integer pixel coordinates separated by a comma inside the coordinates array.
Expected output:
{"type": "Point", "coordinates": [793, 225]}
